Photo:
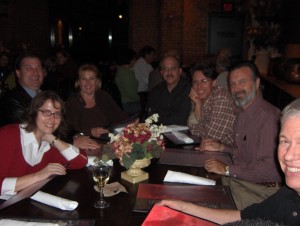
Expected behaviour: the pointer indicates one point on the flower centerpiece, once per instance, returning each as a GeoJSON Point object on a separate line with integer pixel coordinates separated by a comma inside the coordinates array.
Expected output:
{"type": "Point", "coordinates": [136, 141]}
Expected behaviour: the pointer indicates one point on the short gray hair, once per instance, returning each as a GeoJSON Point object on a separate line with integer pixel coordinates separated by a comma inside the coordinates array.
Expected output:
{"type": "Point", "coordinates": [290, 111]}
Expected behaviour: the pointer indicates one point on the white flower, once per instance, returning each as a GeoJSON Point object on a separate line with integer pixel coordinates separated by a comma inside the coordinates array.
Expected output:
{"type": "Point", "coordinates": [113, 137]}
{"type": "Point", "coordinates": [151, 119]}
{"type": "Point", "coordinates": [155, 117]}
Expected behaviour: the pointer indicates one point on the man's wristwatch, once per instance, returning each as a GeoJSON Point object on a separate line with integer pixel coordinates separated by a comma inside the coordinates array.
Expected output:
{"type": "Point", "coordinates": [226, 170]}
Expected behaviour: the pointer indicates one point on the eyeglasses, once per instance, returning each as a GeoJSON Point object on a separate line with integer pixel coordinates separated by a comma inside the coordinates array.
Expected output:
{"type": "Point", "coordinates": [169, 69]}
{"type": "Point", "coordinates": [201, 81]}
{"type": "Point", "coordinates": [48, 113]}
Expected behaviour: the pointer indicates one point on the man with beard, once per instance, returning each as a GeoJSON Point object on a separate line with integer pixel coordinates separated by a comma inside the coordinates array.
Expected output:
{"type": "Point", "coordinates": [170, 99]}
{"type": "Point", "coordinates": [254, 174]}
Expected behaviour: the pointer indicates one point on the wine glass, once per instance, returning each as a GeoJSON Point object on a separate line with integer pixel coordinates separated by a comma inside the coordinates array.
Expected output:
{"type": "Point", "coordinates": [101, 172]}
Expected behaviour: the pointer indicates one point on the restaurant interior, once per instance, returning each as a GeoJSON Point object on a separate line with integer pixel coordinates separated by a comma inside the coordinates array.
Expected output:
{"type": "Point", "coordinates": [95, 30]}
{"type": "Point", "coordinates": [266, 32]}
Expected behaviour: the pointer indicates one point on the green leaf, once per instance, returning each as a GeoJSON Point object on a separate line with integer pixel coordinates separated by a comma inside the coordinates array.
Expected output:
{"type": "Point", "coordinates": [138, 151]}
{"type": "Point", "coordinates": [127, 161]}
{"type": "Point", "coordinates": [156, 150]}
{"type": "Point", "coordinates": [108, 152]}
{"type": "Point", "coordinates": [148, 155]}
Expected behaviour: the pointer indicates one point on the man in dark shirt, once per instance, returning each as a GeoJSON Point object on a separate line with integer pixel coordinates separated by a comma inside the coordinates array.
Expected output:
{"type": "Point", "coordinates": [282, 207]}
{"type": "Point", "coordinates": [170, 99]}
{"type": "Point", "coordinates": [29, 72]}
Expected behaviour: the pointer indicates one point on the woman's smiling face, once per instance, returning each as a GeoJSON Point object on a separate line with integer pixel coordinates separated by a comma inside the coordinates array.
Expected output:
{"type": "Point", "coordinates": [88, 82]}
{"type": "Point", "coordinates": [48, 118]}
{"type": "Point", "coordinates": [202, 85]}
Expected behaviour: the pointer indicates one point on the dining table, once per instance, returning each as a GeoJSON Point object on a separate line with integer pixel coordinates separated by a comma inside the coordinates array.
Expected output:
{"type": "Point", "coordinates": [78, 185]}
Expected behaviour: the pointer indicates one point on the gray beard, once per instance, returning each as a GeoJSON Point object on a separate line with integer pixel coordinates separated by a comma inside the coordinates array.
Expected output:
{"type": "Point", "coordinates": [241, 103]}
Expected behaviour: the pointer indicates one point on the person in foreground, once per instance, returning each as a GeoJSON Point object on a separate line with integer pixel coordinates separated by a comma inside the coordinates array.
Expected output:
{"type": "Point", "coordinates": [283, 206]}
{"type": "Point", "coordinates": [31, 151]}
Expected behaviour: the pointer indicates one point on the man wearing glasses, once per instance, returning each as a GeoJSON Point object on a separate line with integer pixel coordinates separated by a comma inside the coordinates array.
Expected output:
{"type": "Point", "coordinates": [170, 99]}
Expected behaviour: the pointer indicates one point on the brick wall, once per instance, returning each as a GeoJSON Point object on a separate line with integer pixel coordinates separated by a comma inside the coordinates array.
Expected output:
{"type": "Point", "coordinates": [180, 24]}
{"type": "Point", "coordinates": [144, 27]}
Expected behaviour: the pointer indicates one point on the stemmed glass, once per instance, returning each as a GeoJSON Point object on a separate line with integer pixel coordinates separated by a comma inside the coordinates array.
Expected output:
{"type": "Point", "coordinates": [101, 172]}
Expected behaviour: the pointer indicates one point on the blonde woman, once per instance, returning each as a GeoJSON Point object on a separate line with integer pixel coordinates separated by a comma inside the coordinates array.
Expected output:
{"type": "Point", "coordinates": [91, 110]}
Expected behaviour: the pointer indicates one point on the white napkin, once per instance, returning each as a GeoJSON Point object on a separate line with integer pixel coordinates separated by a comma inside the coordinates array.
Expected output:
{"type": "Point", "coordinates": [8, 222]}
{"type": "Point", "coordinates": [112, 189]}
{"type": "Point", "coordinates": [179, 177]}
{"type": "Point", "coordinates": [174, 128]}
{"type": "Point", "coordinates": [183, 137]}
{"type": "Point", "coordinates": [119, 129]}
{"type": "Point", "coordinates": [93, 159]}
{"type": "Point", "coordinates": [5, 197]}
{"type": "Point", "coordinates": [54, 201]}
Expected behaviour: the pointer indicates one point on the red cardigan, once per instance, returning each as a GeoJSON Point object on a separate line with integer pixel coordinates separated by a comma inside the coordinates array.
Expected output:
{"type": "Point", "coordinates": [12, 162]}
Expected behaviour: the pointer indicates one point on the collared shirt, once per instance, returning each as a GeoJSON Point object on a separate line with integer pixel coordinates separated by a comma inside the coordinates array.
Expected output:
{"type": "Point", "coordinates": [33, 155]}
{"type": "Point", "coordinates": [256, 134]}
{"type": "Point", "coordinates": [172, 107]}
{"type": "Point", "coordinates": [217, 117]}
{"type": "Point", "coordinates": [30, 92]}
{"type": "Point", "coordinates": [282, 207]}
{"type": "Point", "coordinates": [141, 70]}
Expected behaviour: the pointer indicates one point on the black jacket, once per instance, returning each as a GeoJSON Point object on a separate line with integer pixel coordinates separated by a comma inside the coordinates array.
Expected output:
{"type": "Point", "coordinates": [13, 105]}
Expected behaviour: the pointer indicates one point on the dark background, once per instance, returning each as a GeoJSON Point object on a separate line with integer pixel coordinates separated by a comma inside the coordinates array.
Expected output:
{"type": "Point", "coordinates": [91, 22]}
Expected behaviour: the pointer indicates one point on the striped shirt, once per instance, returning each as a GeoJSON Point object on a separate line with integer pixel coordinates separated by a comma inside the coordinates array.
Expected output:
{"type": "Point", "coordinates": [256, 134]}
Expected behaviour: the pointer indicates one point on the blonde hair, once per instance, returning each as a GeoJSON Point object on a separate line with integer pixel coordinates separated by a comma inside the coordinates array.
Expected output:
{"type": "Point", "coordinates": [89, 67]}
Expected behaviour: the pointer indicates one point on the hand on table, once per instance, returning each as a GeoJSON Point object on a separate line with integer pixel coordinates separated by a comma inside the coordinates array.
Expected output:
{"type": "Point", "coordinates": [51, 169]}
{"type": "Point", "coordinates": [85, 142]}
{"type": "Point", "coordinates": [98, 131]}
{"type": "Point", "coordinates": [174, 204]}
{"type": "Point", "coordinates": [215, 166]}
{"type": "Point", "coordinates": [210, 145]}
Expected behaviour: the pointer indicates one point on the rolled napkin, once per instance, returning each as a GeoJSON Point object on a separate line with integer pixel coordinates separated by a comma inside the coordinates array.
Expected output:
{"type": "Point", "coordinates": [93, 159]}
{"type": "Point", "coordinates": [54, 201]}
{"type": "Point", "coordinates": [112, 189]}
{"type": "Point", "coordinates": [119, 129]}
{"type": "Point", "coordinates": [5, 197]}
{"type": "Point", "coordinates": [174, 128]}
{"type": "Point", "coordinates": [183, 137]}
{"type": "Point", "coordinates": [179, 177]}
{"type": "Point", "coordinates": [8, 222]}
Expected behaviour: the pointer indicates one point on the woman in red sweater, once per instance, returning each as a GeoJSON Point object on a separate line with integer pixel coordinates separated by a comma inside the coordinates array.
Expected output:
{"type": "Point", "coordinates": [30, 152]}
